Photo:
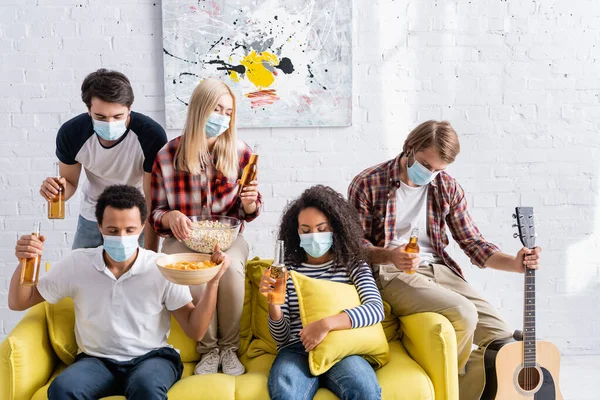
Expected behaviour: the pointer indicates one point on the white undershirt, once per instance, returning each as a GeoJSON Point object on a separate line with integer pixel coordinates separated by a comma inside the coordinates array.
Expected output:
{"type": "Point", "coordinates": [411, 212]}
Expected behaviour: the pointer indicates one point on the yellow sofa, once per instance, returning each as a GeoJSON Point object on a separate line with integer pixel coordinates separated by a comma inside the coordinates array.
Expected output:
{"type": "Point", "coordinates": [422, 365]}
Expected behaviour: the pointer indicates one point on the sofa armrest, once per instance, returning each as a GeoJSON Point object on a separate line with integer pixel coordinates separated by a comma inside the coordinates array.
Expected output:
{"type": "Point", "coordinates": [430, 340]}
{"type": "Point", "coordinates": [26, 357]}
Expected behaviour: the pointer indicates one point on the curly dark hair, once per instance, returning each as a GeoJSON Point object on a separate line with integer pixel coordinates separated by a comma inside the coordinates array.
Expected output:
{"type": "Point", "coordinates": [343, 220]}
{"type": "Point", "coordinates": [108, 86]}
{"type": "Point", "coordinates": [121, 197]}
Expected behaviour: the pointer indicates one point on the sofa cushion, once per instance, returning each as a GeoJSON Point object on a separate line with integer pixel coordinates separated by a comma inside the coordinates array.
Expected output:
{"type": "Point", "coordinates": [400, 379]}
{"type": "Point", "coordinates": [182, 342]}
{"type": "Point", "coordinates": [61, 329]}
{"type": "Point", "coordinates": [430, 340]}
{"type": "Point", "coordinates": [320, 298]}
{"type": "Point", "coordinates": [246, 320]}
{"type": "Point", "coordinates": [253, 384]}
{"type": "Point", "coordinates": [26, 356]}
{"type": "Point", "coordinates": [263, 342]}
{"type": "Point", "coordinates": [390, 324]}
{"type": "Point", "coordinates": [205, 387]}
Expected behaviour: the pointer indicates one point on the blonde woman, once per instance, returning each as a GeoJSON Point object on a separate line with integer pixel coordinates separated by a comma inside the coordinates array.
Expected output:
{"type": "Point", "coordinates": [200, 169]}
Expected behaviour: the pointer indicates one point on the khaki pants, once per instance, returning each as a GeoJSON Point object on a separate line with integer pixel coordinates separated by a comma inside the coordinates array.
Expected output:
{"type": "Point", "coordinates": [224, 329]}
{"type": "Point", "coordinates": [437, 289]}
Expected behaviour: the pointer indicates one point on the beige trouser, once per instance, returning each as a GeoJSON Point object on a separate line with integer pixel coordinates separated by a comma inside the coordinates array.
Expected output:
{"type": "Point", "coordinates": [224, 329]}
{"type": "Point", "coordinates": [437, 289]}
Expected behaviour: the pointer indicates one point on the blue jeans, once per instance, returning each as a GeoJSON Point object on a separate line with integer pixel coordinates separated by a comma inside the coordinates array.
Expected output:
{"type": "Point", "coordinates": [148, 377]}
{"type": "Point", "coordinates": [88, 235]}
{"type": "Point", "coordinates": [350, 379]}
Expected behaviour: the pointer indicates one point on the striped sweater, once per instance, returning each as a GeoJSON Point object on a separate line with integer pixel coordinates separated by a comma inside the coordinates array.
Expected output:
{"type": "Point", "coordinates": [370, 312]}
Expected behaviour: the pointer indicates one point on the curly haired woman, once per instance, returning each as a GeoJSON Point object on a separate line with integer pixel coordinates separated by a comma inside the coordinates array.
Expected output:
{"type": "Point", "coordinates": [323, 241]}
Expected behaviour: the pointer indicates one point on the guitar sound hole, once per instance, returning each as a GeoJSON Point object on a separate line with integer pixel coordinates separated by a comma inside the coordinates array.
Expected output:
{"type": "Point", "coordinates": [529, 378]}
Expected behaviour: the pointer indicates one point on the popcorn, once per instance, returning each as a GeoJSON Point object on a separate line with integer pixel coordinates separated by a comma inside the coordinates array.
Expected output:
{"type": "Point", "coordinates": [206, 234]}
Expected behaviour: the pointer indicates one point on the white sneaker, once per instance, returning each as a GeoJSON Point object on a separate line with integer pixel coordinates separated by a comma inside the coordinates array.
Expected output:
{"type": "Point", "coordinates": [230, 363]}
{"type": "Point", "coordinates": [209, 363]}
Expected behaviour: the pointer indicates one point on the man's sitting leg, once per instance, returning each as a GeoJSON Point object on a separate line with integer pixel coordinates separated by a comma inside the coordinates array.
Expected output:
{"type": "Point", "coordinates": [411, 294]}
{"type": "Point", "coordinates": [490, 326]}
{"type": "Point", "coordinates": [87, 379]}
{"type": "Point", "coordinates": [151, 376]}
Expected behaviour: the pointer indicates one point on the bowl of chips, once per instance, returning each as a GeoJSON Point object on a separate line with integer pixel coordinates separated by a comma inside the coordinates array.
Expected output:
{"type": "Point", "coordinates": [188, 268]}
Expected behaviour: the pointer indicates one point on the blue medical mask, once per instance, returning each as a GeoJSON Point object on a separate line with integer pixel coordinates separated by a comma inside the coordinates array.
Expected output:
{"type": "Point", "coordinates": [217, 124]}
{"type": "Point", "coordinates": [110, 130]}
{"type": "Point", "coordinates": [121, 248]}
{"type": "Point", "coordinates": [316, 244]}
{"type": "Point", "coordinates": [420, 175]}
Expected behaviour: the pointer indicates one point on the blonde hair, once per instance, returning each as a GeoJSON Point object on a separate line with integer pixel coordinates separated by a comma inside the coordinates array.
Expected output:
{"type": "Point", "coordinates": [439, 134]}
{"type": "Point", "coordinates": [192, 155]}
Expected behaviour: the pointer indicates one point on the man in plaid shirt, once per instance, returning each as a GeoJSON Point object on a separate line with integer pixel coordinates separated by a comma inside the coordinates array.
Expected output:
{"type": "Point", "coordinates": [412, 195]}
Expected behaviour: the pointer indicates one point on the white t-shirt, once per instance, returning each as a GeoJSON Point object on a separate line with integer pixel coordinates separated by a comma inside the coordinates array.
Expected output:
{"type": "Point", "coordinates": [411, 212]}
{"type": "Point", "coordinates": [123, 163]}
{"type": "Point", "coordinates": [119, 319]}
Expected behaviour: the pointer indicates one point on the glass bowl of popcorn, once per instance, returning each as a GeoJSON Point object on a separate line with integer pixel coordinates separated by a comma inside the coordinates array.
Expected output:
{"type": "Point", "coordinates": [206, 232]}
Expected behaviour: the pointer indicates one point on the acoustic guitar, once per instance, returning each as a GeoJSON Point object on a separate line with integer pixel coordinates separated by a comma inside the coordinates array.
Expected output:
{"type": "Point", "coordinates": [523, 367]}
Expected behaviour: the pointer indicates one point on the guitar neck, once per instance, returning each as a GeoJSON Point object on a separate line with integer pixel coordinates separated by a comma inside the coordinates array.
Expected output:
{"type": "Point", "coordinates": [529, 350]}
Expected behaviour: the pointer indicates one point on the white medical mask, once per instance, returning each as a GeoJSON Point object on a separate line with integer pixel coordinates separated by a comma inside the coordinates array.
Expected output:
{"type": "Point", "coordinates": [316, 244]}
{"type": "Point", "coordinates": [217, 124]}
{"type": "Point", "coordinates": [121, 248]}
{"type": "Point", "coordinates": [420, 175]}
{"type": "Point", "coordinates": [110, 130]}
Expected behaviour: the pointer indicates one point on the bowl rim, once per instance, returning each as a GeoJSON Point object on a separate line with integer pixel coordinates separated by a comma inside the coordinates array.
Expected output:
{"type": "Point", "coordinates": [204, 255]}
{"type": "Point", "coordinates": [237, 222]}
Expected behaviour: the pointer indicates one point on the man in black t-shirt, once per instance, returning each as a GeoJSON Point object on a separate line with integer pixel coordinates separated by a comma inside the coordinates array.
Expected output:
{"type": "Point", "coordinates": [113, 144]}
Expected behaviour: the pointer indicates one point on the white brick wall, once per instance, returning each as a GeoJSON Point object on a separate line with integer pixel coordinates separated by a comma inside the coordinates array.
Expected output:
{"type": "Point", "coordinates": [518, 79]}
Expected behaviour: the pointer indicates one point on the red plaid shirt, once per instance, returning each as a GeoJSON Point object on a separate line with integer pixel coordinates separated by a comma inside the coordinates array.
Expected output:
{"type": "Point", "coordinates": [372, 192]}
{"type": "Point", "coordinates": [179, 190]}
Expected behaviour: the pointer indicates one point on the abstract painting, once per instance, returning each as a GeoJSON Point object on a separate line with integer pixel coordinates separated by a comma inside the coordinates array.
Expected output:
{"type": "Point", "coordinates": [289, 62]}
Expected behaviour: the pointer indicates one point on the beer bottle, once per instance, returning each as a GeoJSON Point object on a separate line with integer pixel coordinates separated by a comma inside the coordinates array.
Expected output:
{"type": "Point", "coordinates": [30, 267]}
{"type": "Point", "coordinates": [413, 246]}
{"type": "Point", "coordinates": [278, 271]}
{"type": "Point", "coordinates": [56, 206]}
{"type": "Point", "coordinates": [250, 170]}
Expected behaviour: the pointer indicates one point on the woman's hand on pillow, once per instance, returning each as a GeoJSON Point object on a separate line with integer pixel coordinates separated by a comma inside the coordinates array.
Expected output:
{"type": "Point", "coordinates": [314, 333]}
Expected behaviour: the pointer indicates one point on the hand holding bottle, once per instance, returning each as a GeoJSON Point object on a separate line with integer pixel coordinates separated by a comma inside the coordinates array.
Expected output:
{"type": "Point", "coordinates": [403, 260]}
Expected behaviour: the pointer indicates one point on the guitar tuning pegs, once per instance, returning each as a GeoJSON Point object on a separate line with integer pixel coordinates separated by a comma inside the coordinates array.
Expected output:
{"type": "Point", "coordinates": [515, 225]}
{"type": "Point", "coordinates": [514, 216]}
{"type": "Point", "coordinates": [515, 235]}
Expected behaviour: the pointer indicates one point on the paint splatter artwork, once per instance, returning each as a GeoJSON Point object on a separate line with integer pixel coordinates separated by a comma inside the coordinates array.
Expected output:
{"type": "Point", "coordinates": [288, 61]}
